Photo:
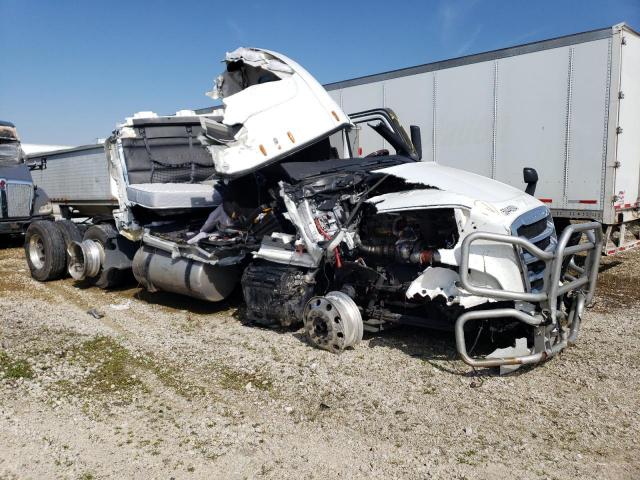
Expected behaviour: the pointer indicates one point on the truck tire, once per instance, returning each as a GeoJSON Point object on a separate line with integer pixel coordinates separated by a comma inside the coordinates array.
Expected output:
{"type": "Point", "coordinates": [105, 234]}
{"type": "Point", "coordinates": [70, 232]}
{"type": "Point", "coordinates": [45, 250]}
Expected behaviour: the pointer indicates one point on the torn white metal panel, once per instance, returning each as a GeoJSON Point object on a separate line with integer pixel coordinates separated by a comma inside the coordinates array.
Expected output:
{"type": "Point", "coordinates": [281, 248]}
{"type": "Point", "coordinates": [491, 265]}
{"type": "Point", "coordinates": [436, 282]}
{"type": "Point", "coordinates": [234, 80]}
{"type": "Point", "coordinates": [419, 199]}
{"type": "Point", "coordinates": [443, 282]}
{"type": "Point", "coordinates": [274, 108]}
{"type": "Point", "coordinates": [301, 216]}
{"type": "Point", "coordinates": [502, 198]}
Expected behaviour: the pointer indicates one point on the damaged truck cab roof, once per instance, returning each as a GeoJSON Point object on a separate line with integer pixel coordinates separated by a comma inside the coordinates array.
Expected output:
{"type": "Point", "coordinates": [272, 108]}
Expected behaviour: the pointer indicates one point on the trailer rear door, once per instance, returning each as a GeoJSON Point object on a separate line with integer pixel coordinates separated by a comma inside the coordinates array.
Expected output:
{"type": "Point", "coordinates": [628, 173]}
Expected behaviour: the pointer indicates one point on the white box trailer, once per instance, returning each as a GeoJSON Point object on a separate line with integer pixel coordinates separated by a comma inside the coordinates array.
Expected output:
{"type": "Point", "coordinates": [568, 107]}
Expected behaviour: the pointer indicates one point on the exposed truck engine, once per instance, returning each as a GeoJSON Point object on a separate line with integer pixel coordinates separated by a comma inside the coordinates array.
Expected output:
{"type": "Point", "coordinates": [265, 193]}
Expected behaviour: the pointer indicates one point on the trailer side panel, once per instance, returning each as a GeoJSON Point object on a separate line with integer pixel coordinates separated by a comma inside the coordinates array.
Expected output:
{"type": "Point", "coordinates": [78, 174]}
{"type": "Point", "coordinates": [532, 103]}
{"type": "Point", "coordinates": [587, 125]}
{"type": "Point", "coordinates": [415, 109]}
{"type": "Point", "coordinates": [465, 143]}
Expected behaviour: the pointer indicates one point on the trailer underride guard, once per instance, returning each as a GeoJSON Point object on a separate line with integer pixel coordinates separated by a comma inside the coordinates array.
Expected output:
{"type": "Point", "coordinates": [266, 192]}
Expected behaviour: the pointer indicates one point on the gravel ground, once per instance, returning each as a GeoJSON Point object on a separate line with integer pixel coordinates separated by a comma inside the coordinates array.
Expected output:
{"type": "Point", "coordinates": [167, 387]}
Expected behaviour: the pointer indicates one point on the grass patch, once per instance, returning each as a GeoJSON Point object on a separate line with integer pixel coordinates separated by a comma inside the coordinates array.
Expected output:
{"type": "Point", "coordinates": [429, 390]}
{"type": "Point", "coordinates": [114, 369]}
{"type": "Point", "coordinates": [468, 457]}
{"type": "Point", "coordinates": [14, 368]}
{"type": "Point", "coordinates": [115, 366]}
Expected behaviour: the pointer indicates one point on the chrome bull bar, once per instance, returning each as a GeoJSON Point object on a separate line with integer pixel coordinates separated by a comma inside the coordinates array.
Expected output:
{"type": "Point", "coordinates": [550, 336]}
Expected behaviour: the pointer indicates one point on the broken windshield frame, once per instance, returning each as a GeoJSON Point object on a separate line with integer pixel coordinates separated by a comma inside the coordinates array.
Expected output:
{"type": "Point", "coordinates": [388, 127]}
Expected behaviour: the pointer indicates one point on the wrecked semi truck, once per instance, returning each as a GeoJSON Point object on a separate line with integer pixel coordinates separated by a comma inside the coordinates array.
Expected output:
{"type": "Point", "coordinates": [20, 201]}
{"type": "Point", "coordinates": [266, 193]}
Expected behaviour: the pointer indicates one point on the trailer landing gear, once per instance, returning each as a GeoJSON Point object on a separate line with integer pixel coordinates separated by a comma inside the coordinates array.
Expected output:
{"type": "Point", "coordinates": [617, 238]}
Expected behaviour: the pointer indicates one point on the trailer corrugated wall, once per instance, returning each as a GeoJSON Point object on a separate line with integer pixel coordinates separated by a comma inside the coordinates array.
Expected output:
{"type": "Point", "coordinates": [551, 105]}
{"type": "Point", "coordinates": [60, 178]}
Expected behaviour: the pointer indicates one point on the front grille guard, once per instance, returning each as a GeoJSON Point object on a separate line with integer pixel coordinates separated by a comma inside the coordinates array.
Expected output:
{"type": "Point", "coordinates": [550, 335]}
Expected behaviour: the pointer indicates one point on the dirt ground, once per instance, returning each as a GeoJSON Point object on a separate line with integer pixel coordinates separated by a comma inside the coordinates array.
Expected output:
{"type": "Point", "coordinates": [166, 387]}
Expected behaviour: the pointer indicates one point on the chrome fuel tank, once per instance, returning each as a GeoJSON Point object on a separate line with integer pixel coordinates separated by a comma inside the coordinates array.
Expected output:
{"type": "Point", "coordinates": [157, 271]}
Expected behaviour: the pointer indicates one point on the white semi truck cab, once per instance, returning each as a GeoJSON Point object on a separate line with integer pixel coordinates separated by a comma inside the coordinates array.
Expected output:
{"type": "Point", "coordinates": [267, 193]}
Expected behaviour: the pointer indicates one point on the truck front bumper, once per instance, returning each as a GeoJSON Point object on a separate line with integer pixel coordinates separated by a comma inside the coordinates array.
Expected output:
{"type": "Point", "coordinates": [554, 327]}
{"type": "Point", "coordinates": [13, 225]}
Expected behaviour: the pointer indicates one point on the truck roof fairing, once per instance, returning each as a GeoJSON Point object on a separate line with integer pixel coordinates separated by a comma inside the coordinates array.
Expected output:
{"type": "Point", "coordinates": [272, 108]}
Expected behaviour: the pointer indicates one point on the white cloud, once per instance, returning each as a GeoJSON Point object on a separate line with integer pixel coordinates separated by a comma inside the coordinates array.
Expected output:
{"type": "Point", "coordinates": [471, 39]}
{"type": "Point", "coordinates": [452, 17]}
{"type": "Point", "coordinates": [237, 30]}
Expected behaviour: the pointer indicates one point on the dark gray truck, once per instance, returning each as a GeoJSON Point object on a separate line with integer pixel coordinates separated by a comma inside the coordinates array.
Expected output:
{"type": "Point", "coordinates": [20, 201]}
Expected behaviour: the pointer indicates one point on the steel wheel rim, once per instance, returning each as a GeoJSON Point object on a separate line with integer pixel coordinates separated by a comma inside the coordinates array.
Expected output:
{"type": "Point", "coordinates": [36, 251]}
{"type": "Point", "coordinates": [333, 322]}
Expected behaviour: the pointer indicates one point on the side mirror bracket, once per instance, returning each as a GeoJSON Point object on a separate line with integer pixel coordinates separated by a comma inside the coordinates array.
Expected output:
{"type": "Point", "coordinates": [40, 164]}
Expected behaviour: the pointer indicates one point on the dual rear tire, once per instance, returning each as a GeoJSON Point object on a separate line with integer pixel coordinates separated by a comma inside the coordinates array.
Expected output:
{"type": "Point", "coordinates": [46, 244]}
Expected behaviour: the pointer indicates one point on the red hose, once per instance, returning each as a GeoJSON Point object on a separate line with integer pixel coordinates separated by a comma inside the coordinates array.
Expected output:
{"type": "Point", "coordinates": [328, 237]}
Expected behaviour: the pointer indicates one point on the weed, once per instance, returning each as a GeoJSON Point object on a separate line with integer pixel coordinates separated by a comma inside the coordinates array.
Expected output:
{"type": "Point", "coordinates": [468, 457]}
{"type": "Point", "coordinates": [14, 368]}
{"type": "Point", "coordinates": [429, 390]}
{"type": "Point", "coordinates": [115, 366]}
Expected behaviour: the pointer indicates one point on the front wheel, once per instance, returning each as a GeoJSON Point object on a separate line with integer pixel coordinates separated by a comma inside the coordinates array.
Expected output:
{"type": "Point", "coordinates": [45, 250]}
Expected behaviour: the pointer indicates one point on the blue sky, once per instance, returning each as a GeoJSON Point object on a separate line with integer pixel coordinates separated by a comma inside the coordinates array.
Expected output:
{"type": "Point", "coordinates": [70, 70]}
